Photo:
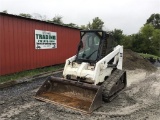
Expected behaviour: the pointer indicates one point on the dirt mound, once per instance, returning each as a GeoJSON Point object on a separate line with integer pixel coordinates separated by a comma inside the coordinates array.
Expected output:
{"type": "Point", "coordinates": [134, 61]}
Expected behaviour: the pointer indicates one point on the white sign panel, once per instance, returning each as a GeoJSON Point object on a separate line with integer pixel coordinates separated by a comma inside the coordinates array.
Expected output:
{"type": "Point", "coordinates": [45, 39]}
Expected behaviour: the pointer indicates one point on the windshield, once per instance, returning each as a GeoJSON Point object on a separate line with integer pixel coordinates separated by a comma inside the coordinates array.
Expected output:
{"type": "Point", "coordinates": [89, 48]}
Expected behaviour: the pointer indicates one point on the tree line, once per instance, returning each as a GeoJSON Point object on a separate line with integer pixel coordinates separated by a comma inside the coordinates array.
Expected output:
{"type": "Point", "coordinates": [147, 40]}
{"type": "Point", "coordinates": [57, 19]}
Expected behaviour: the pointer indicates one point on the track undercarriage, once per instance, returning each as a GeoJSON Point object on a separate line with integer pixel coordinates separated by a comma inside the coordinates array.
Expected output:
{"type": "Point", "coordinates": [113, 85]}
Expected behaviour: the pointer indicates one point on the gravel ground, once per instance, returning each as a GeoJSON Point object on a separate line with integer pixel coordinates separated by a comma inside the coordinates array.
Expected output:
{"type": "Point", "coordinates": [139, 101]}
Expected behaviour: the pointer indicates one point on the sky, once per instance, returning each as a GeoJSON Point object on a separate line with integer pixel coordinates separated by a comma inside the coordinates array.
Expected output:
{"type": "Point", "coordinates": [127, 15]}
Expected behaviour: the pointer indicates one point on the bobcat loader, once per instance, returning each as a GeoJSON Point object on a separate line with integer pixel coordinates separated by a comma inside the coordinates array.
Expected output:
{"type": "Point", "coordinates": [93, 75]}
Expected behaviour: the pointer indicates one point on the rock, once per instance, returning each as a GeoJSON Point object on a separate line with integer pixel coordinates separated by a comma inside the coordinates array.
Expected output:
{"type": "Point", "coordinates": [2, 102]}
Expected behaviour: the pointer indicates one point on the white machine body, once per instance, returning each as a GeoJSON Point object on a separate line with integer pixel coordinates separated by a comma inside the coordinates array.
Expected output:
{"type": "Point", "coordinates": [94, 73]}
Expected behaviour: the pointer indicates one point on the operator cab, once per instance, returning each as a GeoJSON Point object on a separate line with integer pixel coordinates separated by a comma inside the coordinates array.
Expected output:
{"type": "Point", "coordinates": [93, 45]}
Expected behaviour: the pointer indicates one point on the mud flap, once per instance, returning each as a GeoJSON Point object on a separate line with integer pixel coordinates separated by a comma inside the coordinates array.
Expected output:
{"type": "Point", "coordinates": [77, 95]}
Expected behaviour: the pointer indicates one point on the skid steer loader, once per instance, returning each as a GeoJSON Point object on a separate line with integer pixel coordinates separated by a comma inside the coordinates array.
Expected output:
{"type": "Point", "coordinates": [93, 75]}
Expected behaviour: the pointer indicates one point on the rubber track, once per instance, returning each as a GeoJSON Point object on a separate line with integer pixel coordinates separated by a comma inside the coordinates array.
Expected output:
{"type": "Point", "coordinates": [109, 83]}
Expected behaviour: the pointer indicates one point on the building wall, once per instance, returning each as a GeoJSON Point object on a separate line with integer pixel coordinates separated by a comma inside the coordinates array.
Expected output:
{"type": "Point", "coordinates": [17, 44]}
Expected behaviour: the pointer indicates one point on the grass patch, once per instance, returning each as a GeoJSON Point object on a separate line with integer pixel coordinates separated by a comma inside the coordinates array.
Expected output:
{"type": "Point", "coordinates": [149, 55]}
{"type": "Point", "coordinates": [29, 73]}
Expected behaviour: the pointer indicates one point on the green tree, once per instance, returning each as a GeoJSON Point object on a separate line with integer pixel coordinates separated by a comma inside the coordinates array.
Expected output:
{"type": "Point", "coordinates": [39, 17]}
{"type": "Point", "coordinates": [147, 30]}
{"type": "Point", "coordinates": [57, 19]}
{"type": "Point", "coordinates": [72, 25]}
{"type": "Point", "coordinates": [83, 27]}
{"type": "Point", "coordinates": [118, 35]}
{"type": "Point", "coordinates": [146, 35]}
{"type": "Point", "coordinates": [96, 23]}
{"type": "Point", "coordinates": [136, 40]}
{"type": "Point", "coordinates": [127, 42]}
{"type": "Point", "coordinates": [25, 15]}
{"type": "Point", "coordinates": [154, 19]}
{"type": "Point", "coordinates": [5, 11]}
{"type": "Point", "coordinates": [156, 41]}
{"type": "Point", "coordinates": [150, 39]}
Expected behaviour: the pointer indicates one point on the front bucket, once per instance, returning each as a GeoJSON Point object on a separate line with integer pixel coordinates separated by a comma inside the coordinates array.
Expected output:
{"type": "Point", "coordinates": [77, 95]}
